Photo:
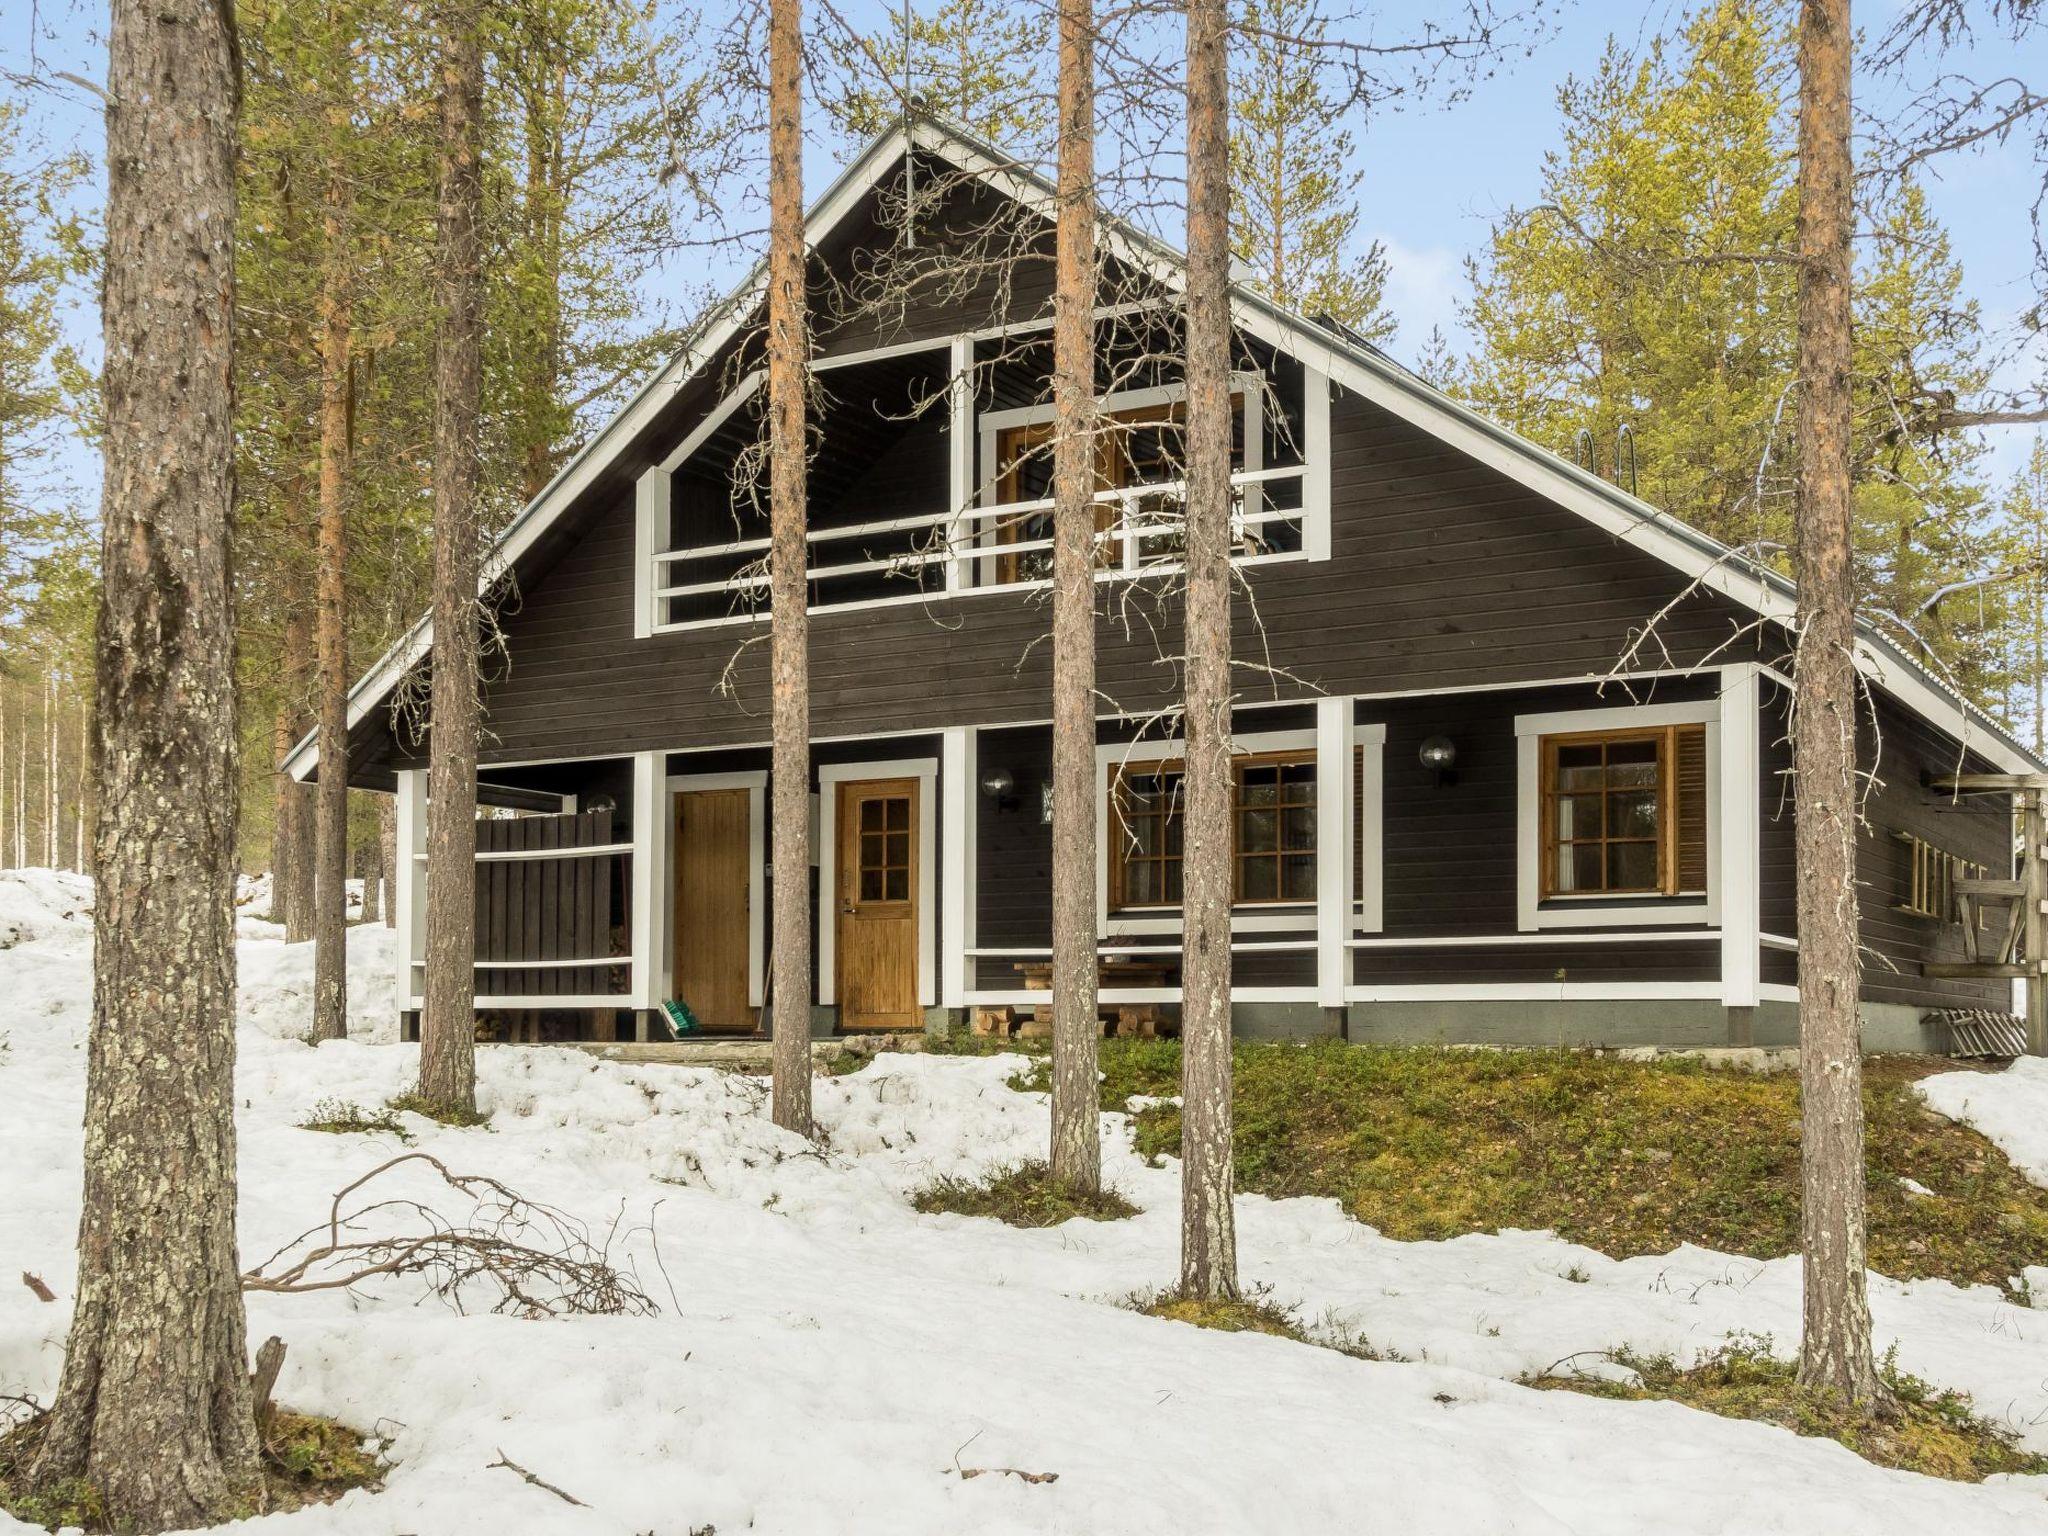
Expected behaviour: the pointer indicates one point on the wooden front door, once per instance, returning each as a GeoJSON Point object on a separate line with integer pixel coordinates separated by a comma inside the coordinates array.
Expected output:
{"type": "Point", "coordinates": [876, 905]}
{"type": "Point", "coordinates": [712, 908]}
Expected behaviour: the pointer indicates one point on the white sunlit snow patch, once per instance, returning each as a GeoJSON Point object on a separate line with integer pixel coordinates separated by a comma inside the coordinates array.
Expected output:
{"type": "Point", "coordinates": [827, 1360]}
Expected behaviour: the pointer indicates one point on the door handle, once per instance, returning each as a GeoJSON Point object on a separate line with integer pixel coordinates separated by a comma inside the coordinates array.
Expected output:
{"type": "Point", "coordinates": [846, 908]}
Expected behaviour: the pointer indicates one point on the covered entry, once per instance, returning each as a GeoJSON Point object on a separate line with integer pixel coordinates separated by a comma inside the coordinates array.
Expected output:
{"type": "Point", "coordinates": [876, 923]}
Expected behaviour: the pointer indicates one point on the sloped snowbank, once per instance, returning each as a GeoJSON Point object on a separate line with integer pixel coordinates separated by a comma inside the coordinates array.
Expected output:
{"type": "Point", "coordinates": [2010, 1108]}
{"type": "Point", "coordinates": [826, 1360]}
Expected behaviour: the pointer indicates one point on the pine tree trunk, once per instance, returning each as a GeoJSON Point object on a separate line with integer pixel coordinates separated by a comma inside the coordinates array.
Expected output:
{"type": "Point", "coordinates": [448, 1026]}
{"type": "Point", "coordinates": [788, 365]}
{"type": "Point", "coordinates": [86, 779]}
{"type": "Point", "coordinates": [298, 873]}
{"type": "Point", "coordinates": [330, 630]}
{"type": "Point", "coordinates": [1835, 1352]}
{"type": "Point", "coordinates": [154, 1403]}
{"type": "Point", "coordinates": [387, 858]}
{"type": "Point", "coordinates": [284, 812]}
{"type": "Point", "coordinates": [1076, 1104]}
{"type": "Point", "coordinates": [1208, 1263]}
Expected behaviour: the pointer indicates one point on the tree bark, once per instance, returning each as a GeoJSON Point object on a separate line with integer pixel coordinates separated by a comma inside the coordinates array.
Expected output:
{"type": "Point", "coordinates": [330, 628]}
{"type": "Point", "coordinates": [154, 1404]}
{"type": "Point", "coordinates": [387, 859]}
{"type": "Point", "coordinates": [1208, 1263]}
{"type": "Point", "coordinates": [297, 797]}
{"type": "Point", "coordinates": [284, 813]}
{"type": "Point", "coordinates": [1076, 1105]}
{"type": "Point", "coordinates": [788, 364]}
{"type": "Point", "coordinates": [1835, 1352]}
{"type": "Point", "coordinates": [448, 1026]}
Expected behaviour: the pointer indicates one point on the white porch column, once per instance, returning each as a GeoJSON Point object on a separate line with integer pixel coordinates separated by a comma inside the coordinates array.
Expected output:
{"type": "Point", "coordinates": [650, 886]}
{"type": "Point", "coordinates": [960, 445]}
{"type": "Point", "coordinates": [1739, 800]}
{"type": "Point", "coordinates": [1334, 847]}
{"type": "Point", "coordinates": [959, 781]}
{"type": "Point", "coordinates": [650, 524]}
{"type": "Point", "coordinates": [409, 896]}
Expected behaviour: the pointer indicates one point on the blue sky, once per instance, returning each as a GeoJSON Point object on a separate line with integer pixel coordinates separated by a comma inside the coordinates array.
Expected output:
{"type": "Point", "coordinates": [1436, 174]}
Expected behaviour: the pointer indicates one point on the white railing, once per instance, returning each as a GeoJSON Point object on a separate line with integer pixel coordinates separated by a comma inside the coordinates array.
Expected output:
{"type": "Point", "coordinates": [968, 544]}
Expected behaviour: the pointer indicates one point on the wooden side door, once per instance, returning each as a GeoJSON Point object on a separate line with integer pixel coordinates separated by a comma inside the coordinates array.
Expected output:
{"type": "Point", "coordinates": [876, 905]}
{"type": "Point", "coordinates": [711, 908]}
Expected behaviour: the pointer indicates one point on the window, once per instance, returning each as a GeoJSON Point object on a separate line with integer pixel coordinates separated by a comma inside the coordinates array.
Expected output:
{"type": "Point", "coordinates": [1624, 813]}
{"type": "Point", "coordinates": [1932, 873]}
{"type": "Point", "coordinates": [1273, 799]}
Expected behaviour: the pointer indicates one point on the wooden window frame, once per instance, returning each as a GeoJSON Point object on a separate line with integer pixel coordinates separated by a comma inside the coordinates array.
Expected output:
{"type": "Point", "coordinates": [1549, 845]}
{"type": "Point", "coordinates": [1120, 843]}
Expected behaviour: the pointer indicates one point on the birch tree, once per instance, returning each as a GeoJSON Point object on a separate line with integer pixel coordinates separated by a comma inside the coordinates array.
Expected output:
{"type": "Point", "coordinates": [154, 1405]}
{"type": "Point", "coordinates": [1076, 1108]}
{"type": "Point", "coordinates": [789, 586]}
{"type": "Point", "coordinates": [1835, 1352]}
{"type": "Point", "coordinates": [448, 1023]}
{"type": "Point", "coordinates": [1208, 1262]}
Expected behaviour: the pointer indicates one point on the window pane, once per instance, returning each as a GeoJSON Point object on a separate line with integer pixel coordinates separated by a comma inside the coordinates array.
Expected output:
{"type": "Point", "coordinates": [1170, 877]}
{"type": "Point", "coordinates": [871, 850]}
{"type": "Point", "coordinates": [1298, 877]}
{"type": "Point", "coordinates": [1631, 752]}
{"type": "Point", "coordinates": [1142, 837]}
{"type": "Point", "coordinates": [1259, 787]}
{"type": "Point", "coordinates": [899, 815]}
{"type": "Point", "coordinates": [1257, 831]}
{"type": "Point", "coordinates": [871, 885]}
{"type": "Point", "coordinates": [1632, 814]}
{"type": "Point", "coordinates": [1298, 827]}
{"type": "Point", "coordinates": [897, 886]}
{"type": "Point", "coordinates": [899, 850]}
{"type": "Point", "coordinates": [1578, 867]}
{"type": "Point", "coordinates": [1173, 838]}
{"type": "Point", "coordinates": [1141, 884]}
{"type": "Point", "coordinates": [1578, 816]}
{"type": "Point", "coordinates": [1258, 880]}
{"type": "Point", "coordinates": [871, 815]}
{"type": "Point", "coordinates": [1631, 866]}
{"type": "Point", "coordinates": [1632, 775]}
{"type": "Point", "coordinates": [1300, 779]}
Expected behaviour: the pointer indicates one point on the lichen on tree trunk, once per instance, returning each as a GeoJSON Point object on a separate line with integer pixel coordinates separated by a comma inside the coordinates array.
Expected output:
{"type": "Point", "coordinates": [1076, 1111]}
{"type": "Point", "coordinates": [154, 1404]}
{"type": "Point", "coordinates": [1208, 1265]}
{"type": "Point", "coordinates": [448, 1024]}
{"type": "Point", "coordinates": [788, 580]}
{"type": "Point", "coordinates": [1835, 1353]}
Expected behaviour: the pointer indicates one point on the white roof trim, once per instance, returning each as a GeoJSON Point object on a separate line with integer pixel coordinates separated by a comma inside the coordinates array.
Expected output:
{"type": "Point", "coordinates": [1357, 368]}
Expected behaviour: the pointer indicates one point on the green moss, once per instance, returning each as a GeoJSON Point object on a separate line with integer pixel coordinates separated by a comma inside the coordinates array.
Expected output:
{"type": "Point", "coordinates": [307, 1460]}
{"type": "Point", "coordinates": [1253, 1313]}
{"type": "Point", "coordinates": [1938, 1433]}
{"type": "Point", "coordinates": [1629, 1157]}
{"type": "Point", "coordinates": [343, 1117]}
{"type": "Point", "coordinates": [434, 1109]}
{"type": "Point", "coordinates": [1025, 1195]}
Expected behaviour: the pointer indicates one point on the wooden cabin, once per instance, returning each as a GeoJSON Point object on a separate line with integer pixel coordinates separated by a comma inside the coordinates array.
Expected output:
{"type": "Point", "coordinates": [1469, 805]}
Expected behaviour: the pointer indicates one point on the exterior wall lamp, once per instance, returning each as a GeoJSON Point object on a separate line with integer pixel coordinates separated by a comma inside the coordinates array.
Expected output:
{"type": "Point", "coordinates": [1439, 755]}
{"type": "Point", "coordinates": [1000, 785]}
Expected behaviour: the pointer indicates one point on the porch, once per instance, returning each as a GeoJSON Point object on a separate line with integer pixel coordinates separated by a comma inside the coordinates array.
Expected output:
{"type": "Point", "coordinates": [1558, 863]}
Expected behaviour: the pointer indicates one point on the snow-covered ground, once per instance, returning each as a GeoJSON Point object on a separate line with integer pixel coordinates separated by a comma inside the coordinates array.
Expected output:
{"type": "Point", "coordinates": [827, 1360]}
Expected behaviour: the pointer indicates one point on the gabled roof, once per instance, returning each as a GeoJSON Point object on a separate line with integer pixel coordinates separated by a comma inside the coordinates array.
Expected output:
{"type": "Point", "coordinates": [1350, 362]}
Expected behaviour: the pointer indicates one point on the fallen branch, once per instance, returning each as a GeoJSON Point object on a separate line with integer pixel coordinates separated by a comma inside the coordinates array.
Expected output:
{"type": "Point", "coordinates": [539, 1482]}
{"type": "Point", "coordinates": [539, 1260]}
{"type": "Point", "coordinates": [35, 1283]}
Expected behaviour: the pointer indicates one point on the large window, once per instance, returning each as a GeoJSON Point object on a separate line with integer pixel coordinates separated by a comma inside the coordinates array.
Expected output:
{"type": "Point", "coordinates": [1273, 797]}
{"type": "Point", "coordinates": [1624, 813]}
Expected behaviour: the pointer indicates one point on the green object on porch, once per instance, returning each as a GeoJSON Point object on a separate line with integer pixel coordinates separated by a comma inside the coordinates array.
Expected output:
{"type": "Point", "coordinates": [680, 1019]}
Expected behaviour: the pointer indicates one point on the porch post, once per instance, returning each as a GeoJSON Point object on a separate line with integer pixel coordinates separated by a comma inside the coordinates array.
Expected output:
{"type": "Point", "coordinates": [1334, 847]}
{"type": "Point", "coordinates": [409, 893]}
{"type": "Point", "coordinates": [960, 454]}
{"type": "Point", "coordinates": [1736, 878]}
{"type": "Point", "coordinates": [649, 885]}
{"type": "Point", "coordinates": [959, 779]}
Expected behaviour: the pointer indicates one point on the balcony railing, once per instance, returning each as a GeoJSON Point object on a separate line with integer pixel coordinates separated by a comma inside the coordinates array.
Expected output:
{"type": "Point", "coordinates": [1008, 545]}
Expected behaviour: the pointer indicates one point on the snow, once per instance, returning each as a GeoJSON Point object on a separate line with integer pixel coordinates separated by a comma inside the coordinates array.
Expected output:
{"type": "Point", "coordinates": [2010, 1108]}
{"type": "Point", "coordinates": [825, 1359]}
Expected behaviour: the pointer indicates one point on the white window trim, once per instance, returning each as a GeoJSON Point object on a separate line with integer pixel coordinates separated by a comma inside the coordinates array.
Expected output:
{"type": "Point", "coordinates": [1531, 913]}
{"type": "Point", "coordinates": [755, 782]}
{"type": "Point", "coordinates": [1260, 918]}
{"type": "Point", "coordinates": [830, 776]}
{"type": "Point", "coordinates": [1368, 913]}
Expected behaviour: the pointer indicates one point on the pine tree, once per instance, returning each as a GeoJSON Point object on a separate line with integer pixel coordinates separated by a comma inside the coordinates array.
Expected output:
{"type": "Point", "coordinates": [154, 1405]}
{"type": "Point", "coordinates": [978, 62]}
{"type": "Point", "coordinates": [1294, 193]}
{"type": "Point", "coordinates": [1208, 1257]}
